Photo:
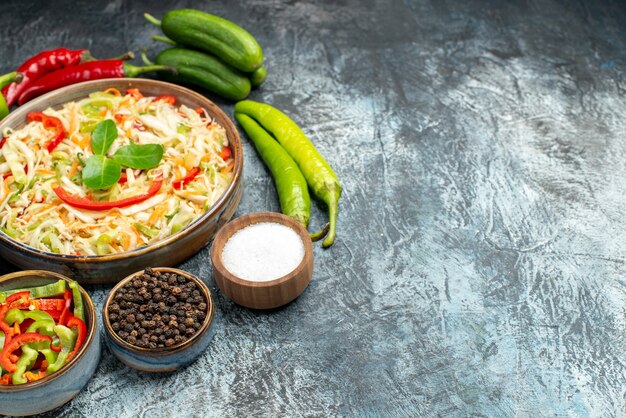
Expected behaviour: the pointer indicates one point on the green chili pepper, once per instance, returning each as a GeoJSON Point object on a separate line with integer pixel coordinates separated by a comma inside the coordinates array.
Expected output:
{"type": "Point", "coordinates": [79, 310]}
{"type": "Point", "coordinates": [27, 359]}
{"type": "Point", "coordinates": [319, 175]}
{"type": "Point", "coordinates": [291, 186]}
{"type": "Point", "coordinates": [68, 339]}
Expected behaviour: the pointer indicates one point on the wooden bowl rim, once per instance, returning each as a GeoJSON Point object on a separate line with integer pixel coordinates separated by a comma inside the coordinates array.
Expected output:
{"type": "Point", "coordinates": [222, 236]}
{"type": "Point", "coordinates": [165, 350]}
{"type": "Point", "coordinates": [212, 108]}
{"type": "Point", "coordinates": [91, 327]}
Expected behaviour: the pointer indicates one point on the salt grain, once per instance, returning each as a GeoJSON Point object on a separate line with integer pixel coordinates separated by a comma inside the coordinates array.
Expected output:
{"type": "Point", "coordinates": [263, 251]}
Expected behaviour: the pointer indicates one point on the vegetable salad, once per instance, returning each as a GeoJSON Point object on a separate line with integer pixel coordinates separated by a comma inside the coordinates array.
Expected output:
{"type": "Point", "coordinates": [110, 173]}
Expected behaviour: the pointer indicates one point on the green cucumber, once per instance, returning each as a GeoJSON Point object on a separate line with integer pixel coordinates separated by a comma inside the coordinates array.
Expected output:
{"type": "Point", "coordinates": [213, 34]}
{"type": "Point", "coordinates": [206, 71]}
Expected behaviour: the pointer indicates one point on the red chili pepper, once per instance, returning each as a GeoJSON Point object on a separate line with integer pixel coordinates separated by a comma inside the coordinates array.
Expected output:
{"type": "Point", "coordinates": [87, 203]}
{"type": "Point", "coordinates": [226, 153]}
{"type": "Point", "coordinates": [166, 98]}
{"type": "Point", "coordinates": [17, 342]}
{"type": "Point", "coordinates": [91, 70]}
{"type": "Point", "coordinates": [178, 184]}
{"type": "Point", "coordinates": [41, 64]}
{"type": "Point", "coordinates": [49, 122]}
{"type": "Point", "coordinates": [82, 333]}
{"type": "Point", "coordinates": [65, 313]}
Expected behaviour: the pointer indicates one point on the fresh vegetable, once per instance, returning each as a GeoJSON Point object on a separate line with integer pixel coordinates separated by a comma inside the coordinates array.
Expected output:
{"type": "Point", "coordinates": [41, 64]}
{"type": "Point", "coordinates": [258, 76]}
{"type": "Point", "coordinates": [34, 334]}
{"type": "Point", "coordinates": [126, 130]}
{"type": "Point", "coordinates": [293, 192]}
{"type": "Point", "coordinates": [319, 175]}
{"type": "Point", "coordinates": [14, 78]}
{"type": "Point", "coordinates": [218, 36]}
{"type": "Point", "coordinates": [45, 291]}
{"type": "Point", "coordinates": [87, 203]}
{"type": "Point", "coordinates": [49, 122]}
{"type": "Point", "coordinates": [178, 184]}
{"type": "Point", "coordinates": [206, 71]}
{"type": "Point", "coordinates": [91, 70]}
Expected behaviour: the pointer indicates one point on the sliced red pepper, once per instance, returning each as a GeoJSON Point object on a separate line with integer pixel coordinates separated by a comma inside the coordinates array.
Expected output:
{"type": "Point", "coordinates": [3, 141]}
{"type": "Point", "coordinates": [12, 301]}
{"type": "Point", "coordinates": [200, 110]}
{"type": "Point", "coordinates": [48, 304]}
{"type": "Point", "coordinates": [65, 314]}
{"type": "Point", "coordinates": [226, 153]}
{"type": "Point", "coordinates": [24, 325]}
{"type": "Point", "coordinates": [16, 343]}
{"type": "Point", "coordinates": [123, 178]}
{"type": "Point", "coordinates": [56, 315]}
{"type": "Point", "coordinates": [166, 98]}
{"type": "Point", "coordinates": [82, 333]}
{"type": "Point", "coordinates": [178, 184]}
{"type": "Point", "coordinates": [87, 203]}
{"type": "Point", "coordinates": [49, 122]}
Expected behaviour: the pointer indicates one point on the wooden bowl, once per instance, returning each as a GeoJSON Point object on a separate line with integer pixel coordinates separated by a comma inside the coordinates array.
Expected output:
{"type": "Point", "coordinates": [169, 251]}
{"type": "Point", "coordinates": [263, 294]}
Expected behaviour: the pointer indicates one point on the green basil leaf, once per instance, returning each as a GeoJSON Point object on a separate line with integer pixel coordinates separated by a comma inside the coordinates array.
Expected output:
{"type": "Point", "coordinates": [103, 136]}
{"type": "Point", "coordinates": [101, 172]}
{"type": "Point", "coordinates": [141, 157]}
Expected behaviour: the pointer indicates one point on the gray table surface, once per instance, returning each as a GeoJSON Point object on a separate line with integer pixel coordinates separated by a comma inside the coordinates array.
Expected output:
{"type": "Point", "coordinates": [479, 267]}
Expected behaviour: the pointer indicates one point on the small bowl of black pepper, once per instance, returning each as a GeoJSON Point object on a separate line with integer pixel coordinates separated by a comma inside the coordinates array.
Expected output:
{"type": "Point", "coordinates": [158, 319]}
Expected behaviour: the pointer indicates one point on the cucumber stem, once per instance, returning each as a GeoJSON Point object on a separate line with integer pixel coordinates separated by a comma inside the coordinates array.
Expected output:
{"type": "Point", "coordinates": [163, 39]}
{"type": "Point", "coordinates": [152, 19]}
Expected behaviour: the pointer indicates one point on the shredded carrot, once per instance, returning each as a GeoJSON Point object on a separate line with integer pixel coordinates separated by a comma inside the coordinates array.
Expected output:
{"type": "Point", "coordinates": [104, 112]}
{"type": "Point", "coordinates": [74, 169]}
{"type": "Point", "coordinates": [115, 247]}
{"type": "Point", "coordinates": [44, 171]}
{"type": "Point", "coordinates": [63, 217]}
{"type": "Point", "coordinates": [158, 212]}
{"type": "Point", "coordinates": [206, 157]}
{"type": "Point", "coordinates": [137, 233]}
{"type": "Point", "coordinates": [199, 110]}
{"type": "Point", "coordinates": [125, 241]}
{"type": "Point", "coordinates": [228, 168]}
{"type": "Point", "coordinates": [113, 91]}
{"type": "Point", "coordinates": [72, 121]}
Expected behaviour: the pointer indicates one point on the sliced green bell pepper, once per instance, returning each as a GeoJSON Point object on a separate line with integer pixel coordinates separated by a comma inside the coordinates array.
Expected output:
{"type": "Point", "coordinates": [79, 310]}
{"type": "Point", "coordinates": [68, 339]}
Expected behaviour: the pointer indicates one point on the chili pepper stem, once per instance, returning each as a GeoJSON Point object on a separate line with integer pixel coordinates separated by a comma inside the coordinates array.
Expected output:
{"type": "Point", "coordinates": [152, 19]}
{"type": "Point", "coordinates": [126, 56]}
{"type": "Point", "coordinates": [9, 78]}
{"type": "Point", "coordinates": [316, 236]}
{"type": "Point", "coordinates": [145, 59]}
{"type": "Point", "coordinates": [163, 39]}
{"type": "Point", "coordinates": [333, 203]}
{"type": "Point", "coordinates": [134, 71]}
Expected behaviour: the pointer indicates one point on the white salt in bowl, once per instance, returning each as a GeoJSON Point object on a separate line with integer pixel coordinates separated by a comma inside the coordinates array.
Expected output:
{"type": "Point", "coordinates": [265, 265]}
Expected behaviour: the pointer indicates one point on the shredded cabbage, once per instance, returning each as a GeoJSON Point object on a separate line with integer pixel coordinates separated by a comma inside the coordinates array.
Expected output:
{"type": "Point", "coordinates": [31, 212]}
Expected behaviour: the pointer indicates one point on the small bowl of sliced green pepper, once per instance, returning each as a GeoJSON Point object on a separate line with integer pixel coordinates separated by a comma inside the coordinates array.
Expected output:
{"type": "Point", "coordinates": [50, 346]}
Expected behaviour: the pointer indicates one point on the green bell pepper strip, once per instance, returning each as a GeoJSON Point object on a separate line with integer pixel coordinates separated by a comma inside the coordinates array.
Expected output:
{"type": "Point", "coordinates": [28, 358]}
{"type": "Point", "coordinates": [42, 326]}
{"type": "Point", "coordinates": [5, 80]}
{"type": "Point", "coordinates": [79, 310]}
{"type": "Point", "coordinates": [16, 315]}
{"type": "Point", "coordinates": [53, 289]}
{"type": "Point", "coordinates": [68, 340]}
